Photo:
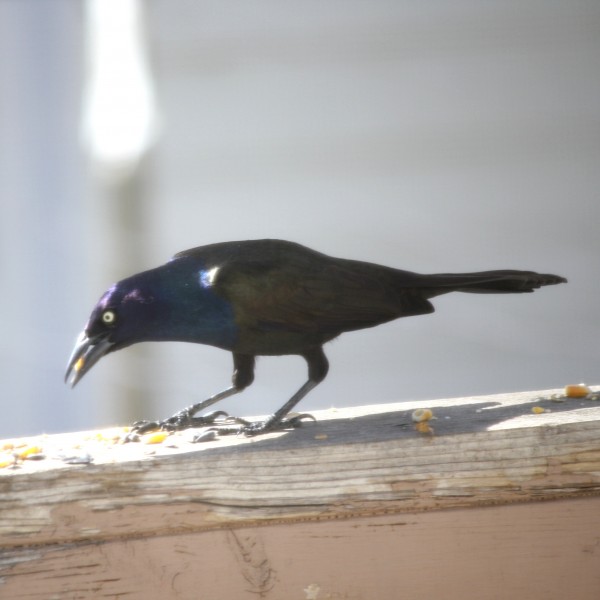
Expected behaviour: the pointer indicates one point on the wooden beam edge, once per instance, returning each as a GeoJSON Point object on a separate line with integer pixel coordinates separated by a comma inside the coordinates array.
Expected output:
{"type": "Point", "coordinates": [309, 474]}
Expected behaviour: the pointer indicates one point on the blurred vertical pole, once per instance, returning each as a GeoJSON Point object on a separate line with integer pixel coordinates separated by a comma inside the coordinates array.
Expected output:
{"type": "Point", "coordinates": [119, 128]}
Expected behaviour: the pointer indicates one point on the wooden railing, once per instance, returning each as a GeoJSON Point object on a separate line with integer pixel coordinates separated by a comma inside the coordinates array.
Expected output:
{"type": "Point", "coordinates": [495, 497]}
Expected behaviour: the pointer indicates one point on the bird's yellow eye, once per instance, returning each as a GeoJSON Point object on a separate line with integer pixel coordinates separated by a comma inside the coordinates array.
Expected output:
{"type": "Point", "coordinates": [109, 317]}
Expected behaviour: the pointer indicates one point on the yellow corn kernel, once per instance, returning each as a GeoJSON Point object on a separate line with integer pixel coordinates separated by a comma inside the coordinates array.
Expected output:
{"type": "Point", "coordinates": [14, 445]}
{"type": "Point", "coordinates": [23, 454]}
{"type": "Point", "coordinates": [6, 461]}
{"type": "Point", "coordinates": [422, 414]}
{"type": "Point", "coordinates": [579, 390]}
{"type": "Point", "coordinates": [157, 437]}
{"type": "Point", "coordinates": [538, 410]}
{"type": "Point", "coordinates": [111, 435]}
{"type": "Point", "coordinates": [424, 427]}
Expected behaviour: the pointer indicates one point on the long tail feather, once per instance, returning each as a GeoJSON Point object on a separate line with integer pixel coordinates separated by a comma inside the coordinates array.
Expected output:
{"type": "Point", "coordinates": [490, 282]}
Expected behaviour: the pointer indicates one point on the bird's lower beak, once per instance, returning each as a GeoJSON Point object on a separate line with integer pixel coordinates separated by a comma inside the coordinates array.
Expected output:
{"type": "Point", "coordinates": [87, 352]}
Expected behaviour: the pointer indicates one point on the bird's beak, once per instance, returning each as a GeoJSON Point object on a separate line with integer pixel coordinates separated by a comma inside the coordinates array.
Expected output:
{"type": "Point", "coordinates": [87, 352]}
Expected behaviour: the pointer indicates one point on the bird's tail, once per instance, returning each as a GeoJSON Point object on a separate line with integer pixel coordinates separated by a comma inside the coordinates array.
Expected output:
{"type": "Point", "coordinates": [490, 282]}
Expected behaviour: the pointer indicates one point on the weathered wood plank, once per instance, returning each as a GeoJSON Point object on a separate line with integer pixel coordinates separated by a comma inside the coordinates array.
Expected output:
{"type": "Point", "coordinates": [533, 551]}
{"type": "Point", "coordinates": [359, 505]}
{"type": "Point", "coordinates": [354, 462]}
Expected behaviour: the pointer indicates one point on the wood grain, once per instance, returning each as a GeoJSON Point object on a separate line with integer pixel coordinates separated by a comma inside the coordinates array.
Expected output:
{"type": "Point", "coordinates": [359, 488]}
{"type": "Point", "coordinates": [534, 551]}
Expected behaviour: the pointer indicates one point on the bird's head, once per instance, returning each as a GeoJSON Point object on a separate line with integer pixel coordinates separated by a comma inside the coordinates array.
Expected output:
{"type": "Point", "coordinates": [123, 316]}
{"type": "Point", "coordinates": [174, 302]}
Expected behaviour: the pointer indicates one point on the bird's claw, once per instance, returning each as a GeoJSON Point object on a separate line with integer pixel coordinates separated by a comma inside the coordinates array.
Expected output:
{"type": "Point", "coordinates": [251, 428]}
{"type": "Point", "coordinates": [141, 428]}
{"type": "Point", "coordinates": [296, 420]}
{"type": "Point", "coordinates": [219, 422]}
{"type": "Point", "coordinates": [179, 421]}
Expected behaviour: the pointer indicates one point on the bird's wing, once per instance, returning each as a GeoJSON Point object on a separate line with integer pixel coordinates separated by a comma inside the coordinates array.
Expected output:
{"type": "Point", "coordinates": [315, 293]}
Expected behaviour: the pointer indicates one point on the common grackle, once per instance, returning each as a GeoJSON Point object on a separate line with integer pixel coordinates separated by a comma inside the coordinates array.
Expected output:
{"type": "Point", "coordinates": [265, 297]}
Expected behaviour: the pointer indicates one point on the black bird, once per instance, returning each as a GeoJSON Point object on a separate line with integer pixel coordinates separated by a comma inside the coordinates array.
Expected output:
{"type": "Point", "coordinates": [266, 297]}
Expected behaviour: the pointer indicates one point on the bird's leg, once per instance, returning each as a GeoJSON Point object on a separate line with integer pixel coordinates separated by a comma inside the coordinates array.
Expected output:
{"type": "Point", "coordinates": [243, 375]}
{"type": "Point", "coordinates": [185, 417]}
{"type": "Point", "coordinates": [317, 371]}
{"type": "Point", "coordinates": [277, 420]}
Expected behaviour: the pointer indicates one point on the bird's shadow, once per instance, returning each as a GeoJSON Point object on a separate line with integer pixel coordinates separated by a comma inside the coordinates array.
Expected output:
{"type": "Point", "coordinates": [398, 424]}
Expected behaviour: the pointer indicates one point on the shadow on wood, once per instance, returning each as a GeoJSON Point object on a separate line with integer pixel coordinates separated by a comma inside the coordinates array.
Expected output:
{"type": "Point", "coordinates": [358, 505]}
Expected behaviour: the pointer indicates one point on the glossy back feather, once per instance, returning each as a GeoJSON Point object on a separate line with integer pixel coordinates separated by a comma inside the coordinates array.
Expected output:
{"type": "Point", "coordinates": [286, 296]}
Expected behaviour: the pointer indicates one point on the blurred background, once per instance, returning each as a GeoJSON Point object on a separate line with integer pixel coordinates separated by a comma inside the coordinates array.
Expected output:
{"type": "Point", "coordinates": [430, 136]}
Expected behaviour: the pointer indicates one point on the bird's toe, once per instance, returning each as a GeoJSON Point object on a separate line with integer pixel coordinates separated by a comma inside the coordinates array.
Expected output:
{"type": "Point", "coordinates": [293, 421]}
{"type": "Point", "coordinates": [185, 419]}
{"type": "Point", "coordinates": [142, 427]}
{"type": "Point", "coordinates": [297, 419]}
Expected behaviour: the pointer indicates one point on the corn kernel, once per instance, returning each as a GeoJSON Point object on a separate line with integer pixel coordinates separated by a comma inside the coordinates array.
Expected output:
{"type": "Point", "coordinates": [29, 451]}
{"type": "Point", "coordinates": [6, 461]}
{"type": "Point", "coordinates": [422, 414]}
{"type": "Point", "coordinates": [157, 437]}
{"type": "Point", "coordinates": [424, 427]}
{"type": "Point", "coordinates": [538, 410]}
{"type": "Point", "coordinates": [579, 390]}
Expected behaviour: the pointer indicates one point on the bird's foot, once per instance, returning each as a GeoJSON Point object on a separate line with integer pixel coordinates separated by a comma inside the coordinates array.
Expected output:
{"type": "Point", "coordinates": [183, 419]}
{"type": "Point", "coordinates": [292, 421]}
{"type": "Point", "coordinates": [252, 428]}
{"type": "Point", "coordinates": [218, 422]}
